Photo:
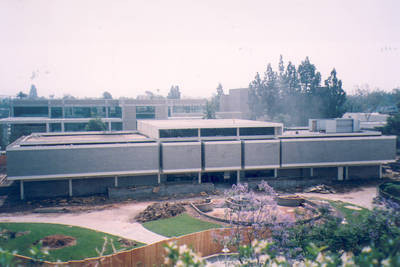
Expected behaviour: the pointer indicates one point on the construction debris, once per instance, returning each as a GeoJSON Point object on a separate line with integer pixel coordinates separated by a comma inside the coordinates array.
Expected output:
{"type": "Point", "coordinates": [321, 189]}
{"type": "Point", "coordinates": [160, 211]}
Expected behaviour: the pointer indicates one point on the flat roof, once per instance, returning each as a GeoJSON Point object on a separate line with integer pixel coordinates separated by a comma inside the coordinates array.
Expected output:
{"type": "Point", "coordinates": [300, 133]}
{"type": "Point", "coordinates": [211, 123]}
{"type": "Point", "coordinates": [43, 139]}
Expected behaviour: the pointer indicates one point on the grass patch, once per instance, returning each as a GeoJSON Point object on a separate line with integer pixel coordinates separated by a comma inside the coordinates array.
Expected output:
{"type": "Point", "coordinates": [351, 215]}
{"type": "Point", "coordinates": [87, 240]}
{"type": "Point", "coordinates": [182, 224]}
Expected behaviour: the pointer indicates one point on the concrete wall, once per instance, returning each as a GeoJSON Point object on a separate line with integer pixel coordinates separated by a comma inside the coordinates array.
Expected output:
{"type": "Point", "coordinates": [128, 118]}
{"type": "Point", "coordinates": [223, 155]}
{"type": "Point", "coordinates": [90, 186]}
{"type": "Point", "coordinates": [181, 157]}
{"type": "Point", "coordinates": [73, 161]}
{"type": "Point", "coordinates": [126, 181]}
{"type": "Point", "coordinates": [261, 154]}
{"type": "Point", "coordinates": [336, 151]}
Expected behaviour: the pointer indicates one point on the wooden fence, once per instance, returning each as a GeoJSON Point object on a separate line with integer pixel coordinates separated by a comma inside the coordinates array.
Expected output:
{"type": "Point", "coordinates": [151, 255]}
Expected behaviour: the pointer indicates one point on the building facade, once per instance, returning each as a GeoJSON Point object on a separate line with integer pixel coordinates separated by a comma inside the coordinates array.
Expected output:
{"type": "Point", "coordinates": [72, 115]}
{"type": "Point", "coordinates": [191, 152]}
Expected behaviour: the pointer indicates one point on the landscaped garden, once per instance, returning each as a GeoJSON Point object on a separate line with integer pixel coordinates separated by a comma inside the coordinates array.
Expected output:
{"type": "Point", "coordinates": [62, 242]}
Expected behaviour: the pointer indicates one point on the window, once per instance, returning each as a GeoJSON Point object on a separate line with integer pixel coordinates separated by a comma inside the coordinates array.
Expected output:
{"type": "Point", "coordinates": [145, 112]}
{"type": "Point", "coordinates": [116, 126]}
{"type": "Point", "coordinates": [218, 132]}
{"type": "Point", "coordinates": [31, 111]}
{"type": "Point", "coordinates": [56, 112]}
{"type": "Point", "coordinates": [75, 127]}
{"type": "Point", "coordinates": [115, 112]}
{"type": "Point", "coordinates": [55, 127]}
{"type": "Point", "coordinates": [173, 133]}
{"type": "Point", "coordinates": [256, 131]}
{"type": "Point", "coordinates": [85, 112]}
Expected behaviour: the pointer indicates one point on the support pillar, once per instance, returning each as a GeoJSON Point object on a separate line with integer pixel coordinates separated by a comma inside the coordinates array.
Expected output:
{"type": "Point", "coordinates": [21, 189]}
{"type": "Point", "coordinates": [47, 127]}
{"type": "Point", "coordinates": [311, 172]}
{"type": "Point", "coordinates": [275, 173]}
{"type": "Point", "coordinates": [70, 187]}
{"type": "Point", "coordinates": [238, 177]}
{"type": "Point", "coordinates": [109, 126]}
{"type": "Point", "coordinates": [115, 181]}
{"type": "Point", "coordinates": [380, 171]}
{"type": "Point", "coordinates": [199, 177]}
{"type": "Point", "coordinates": [346, 173]}
{"type": "Point", "coordinates": [159, 178]}
{"type": "Point", "coordinates": [62, 127]}
{"type": "Point", "coordinates": [340, 173]}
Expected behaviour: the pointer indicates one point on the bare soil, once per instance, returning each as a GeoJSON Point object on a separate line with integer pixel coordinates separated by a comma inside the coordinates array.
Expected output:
{"type": "Point", "coordinates": [57, 241]}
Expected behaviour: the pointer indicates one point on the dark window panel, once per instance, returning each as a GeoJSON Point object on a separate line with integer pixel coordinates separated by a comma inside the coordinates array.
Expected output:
{"type": "Point", "coordinates": [173, 133]}
{"type": "Point", "coordinates": [218, 132]}
{"type": "Point", "coordinates": [256, 131]}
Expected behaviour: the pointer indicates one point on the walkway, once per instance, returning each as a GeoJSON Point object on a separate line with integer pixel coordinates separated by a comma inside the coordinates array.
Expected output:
{"type": "Point", "coordinates": [115, 220]}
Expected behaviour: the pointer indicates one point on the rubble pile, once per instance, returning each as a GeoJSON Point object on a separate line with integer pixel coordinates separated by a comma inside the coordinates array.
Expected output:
{"type": "Point", "coordinates": [321, 189]}
{"type": "Point", "coordinates": [160, 211]}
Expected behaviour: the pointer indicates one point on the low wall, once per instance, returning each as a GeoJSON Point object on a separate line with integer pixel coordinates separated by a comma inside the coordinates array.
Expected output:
{"type": "Point", "coordinates": [159, 191]}
{"type": "Point", "coordinates": [290, 183]}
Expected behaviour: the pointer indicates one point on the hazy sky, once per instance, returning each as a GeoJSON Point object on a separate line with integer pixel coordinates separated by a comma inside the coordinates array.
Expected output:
{"type": "Point", "coordinates": [84, 48]}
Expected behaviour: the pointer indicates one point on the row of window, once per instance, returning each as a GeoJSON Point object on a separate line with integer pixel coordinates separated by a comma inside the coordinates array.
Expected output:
{"type": "Point", "coordinates": [69, 112]}
{"type": "Point", "coordinates": [209, 132]}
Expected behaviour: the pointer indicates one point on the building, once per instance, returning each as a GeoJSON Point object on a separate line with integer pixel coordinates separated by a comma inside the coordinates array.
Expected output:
{"type": "Point", "coordinates": [368, 121]}
{"type": "Point", "coordinates": [234, 105]}
{"type": "Point", "coordinates": [72, 115]}
{"type": "Point", "coordinates": [188, 152]}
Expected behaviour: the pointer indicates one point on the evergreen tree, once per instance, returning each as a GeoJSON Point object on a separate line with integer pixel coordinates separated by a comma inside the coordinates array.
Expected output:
{"type": "Point", "coordinates": [96, 125]}
{"type": "Point", "coordinates": [107, 95]}
{"type": "Point", "coordinates": [209, 112]}
{"type": "Point", "coordinates": [334, 97]}
{"type": "Point", "coordinates": [174, 93]}
{"type": "Point", "coordinates": [33, 92]}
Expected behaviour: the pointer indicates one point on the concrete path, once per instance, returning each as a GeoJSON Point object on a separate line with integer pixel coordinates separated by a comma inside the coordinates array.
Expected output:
{"type": "Point", "coordinates": [114, 220]}
{"type": "Point", "coordinates": [362, 196]}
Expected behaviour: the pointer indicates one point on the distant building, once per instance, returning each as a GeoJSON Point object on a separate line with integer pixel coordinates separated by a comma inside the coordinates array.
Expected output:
{"type": "Point", "coordinates": [190, 152]}
{"type": "Point", "coordinates": [234, 105]}
{"type": "Point", "coordinates": [72, 115]}
{"type": "Point", "coordinates": [368, 121]}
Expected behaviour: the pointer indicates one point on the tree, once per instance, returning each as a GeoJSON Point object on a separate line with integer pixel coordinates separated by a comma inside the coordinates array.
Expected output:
{"type": "Point", "coordinates": [209, 112]}
{"type": "Point", "coordinates": [68, 96]}
{"type": "Point", "coordinates": [33, 92]}
{"type": "Point", "coordinates": [174, 93]}
{"type": "Point", "coordinates": [21, 95]}
{"type": "Point", "coordinates": [217, 98]}
{"type": "Point", "coordinates": [334, 97]}
{"type": "Point", "coordinates": [96, 125]}
{"type": "Point", "coordinates": [107, 95]}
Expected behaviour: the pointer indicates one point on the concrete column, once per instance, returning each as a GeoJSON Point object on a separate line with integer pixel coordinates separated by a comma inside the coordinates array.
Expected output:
{"type": "Point", "coordinates": [62, 127]}
{"type": "Point", "coordinates": [275, 173]}
{"type": "Point", "coordinates": [199, 177]}
{"type": "Point", "coordinates": [346, 173]}
{"type": "Point", "coordinates": [159, 178]}
{"type": "Point", "coordinates": [237, 177]}
{"type": "Point", "coordinates": [21, 189]}
{"type": "Point", "coordinates": [70, 187]}
{"type": "Point", "coordinates": [312, 172]}
{"type": "Point", "coordinates": [109, 126]}
{"type": "Point", "coordinates": [47, 127]}
{"type": "Point", "coordinates": [116, 181]}
{"type": "Point", "coordinates": [340, 173]}
{"type": "Point", "coordinates": [380, 171]}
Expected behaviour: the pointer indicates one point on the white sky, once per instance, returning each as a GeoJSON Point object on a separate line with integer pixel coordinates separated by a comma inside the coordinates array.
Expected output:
{"type": "Point", "coordinates": [84, 48]}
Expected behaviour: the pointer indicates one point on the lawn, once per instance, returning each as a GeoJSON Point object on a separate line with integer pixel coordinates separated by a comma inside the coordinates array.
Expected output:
{"type": "Point", "coordinates": [179, 225]}
{"type": "Point", "coordinates": [351, 215]}
{"type": "Point", "coordinates": [86, 240]}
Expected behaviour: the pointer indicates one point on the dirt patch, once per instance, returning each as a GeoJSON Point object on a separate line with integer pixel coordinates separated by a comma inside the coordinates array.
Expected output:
{"type": "Point", "coordinates": [125, 243]}
{"type": "Point", "coordinates": [160, 211]}
{"type": "Point", "coordinates": [57, 241]}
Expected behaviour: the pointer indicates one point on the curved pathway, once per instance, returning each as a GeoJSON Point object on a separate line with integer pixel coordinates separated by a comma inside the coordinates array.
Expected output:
{"type": "Point", "coordinates": [113, 220]}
